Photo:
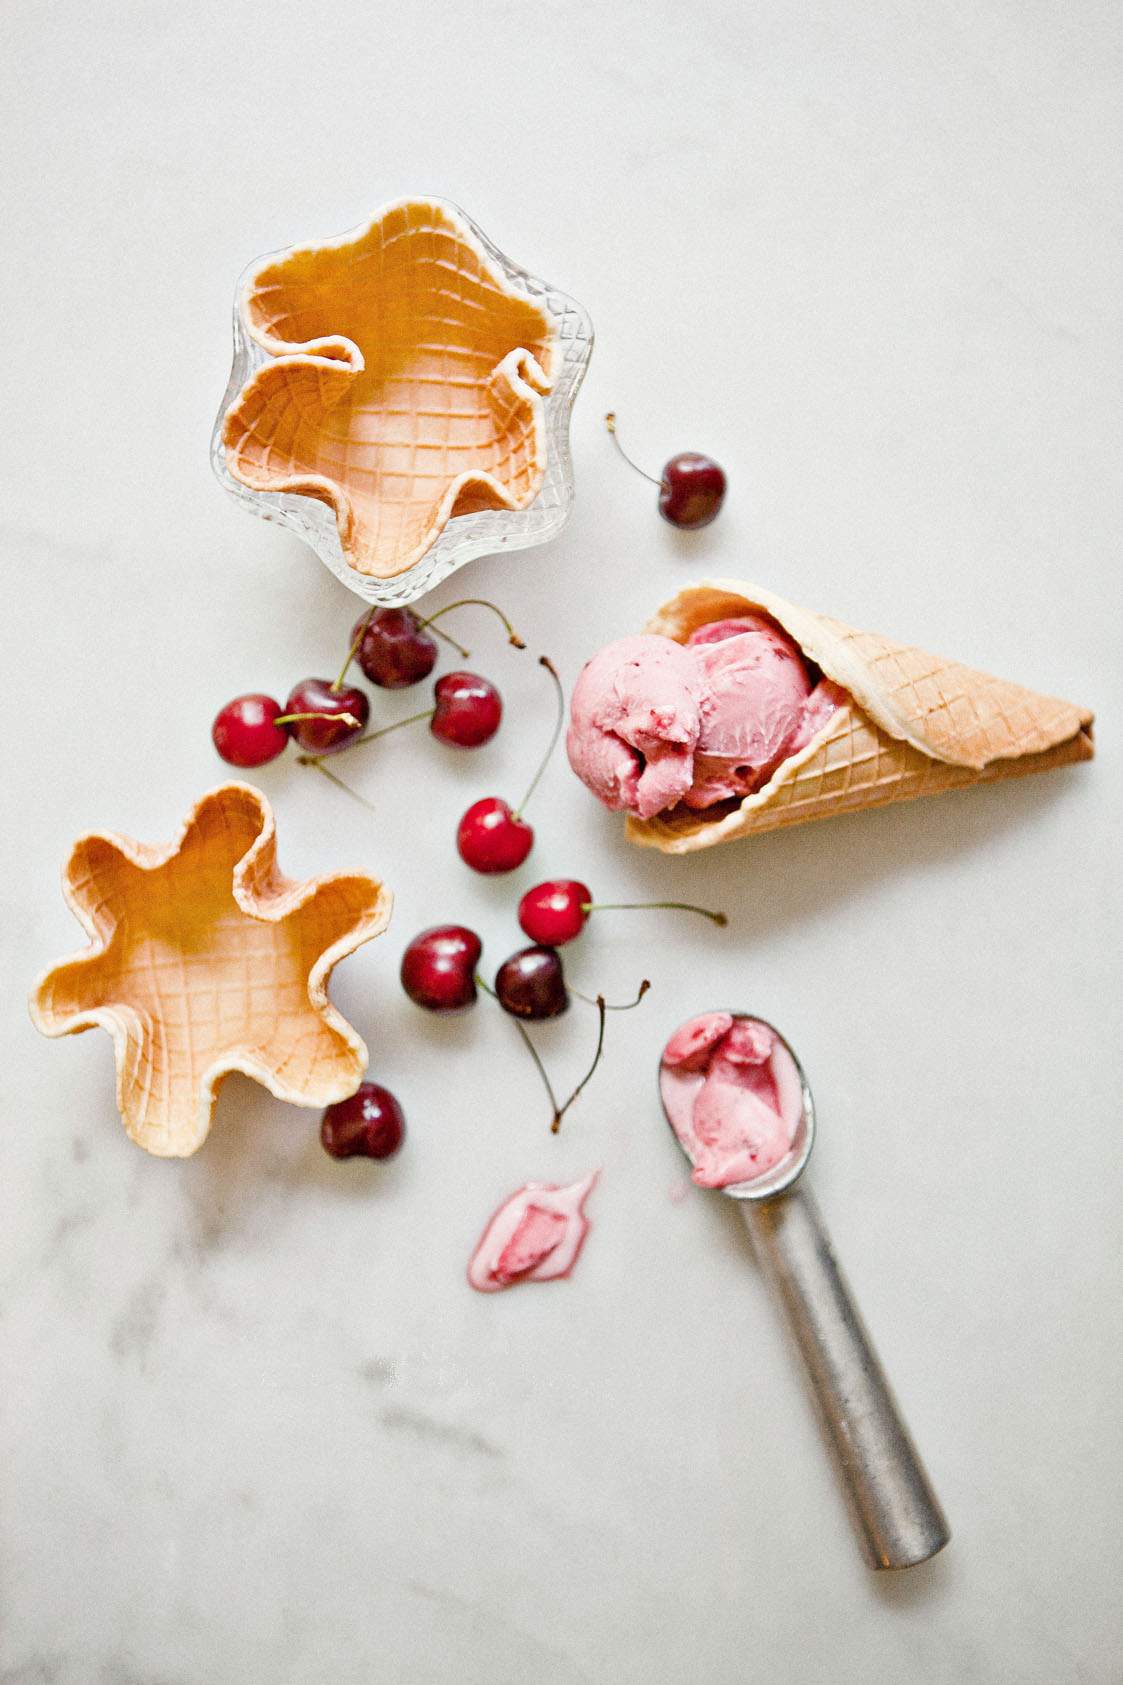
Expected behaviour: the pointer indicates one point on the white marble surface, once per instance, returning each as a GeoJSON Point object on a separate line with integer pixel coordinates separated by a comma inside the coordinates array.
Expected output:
{"type": "Point", "coordinates": [255, 1426]}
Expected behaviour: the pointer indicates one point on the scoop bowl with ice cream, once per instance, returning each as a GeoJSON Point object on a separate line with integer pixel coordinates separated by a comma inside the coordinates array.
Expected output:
{"type": "Point", "coordinates": [738, 1104]}
{"type": "Point", "coordinates": [740, 1108]}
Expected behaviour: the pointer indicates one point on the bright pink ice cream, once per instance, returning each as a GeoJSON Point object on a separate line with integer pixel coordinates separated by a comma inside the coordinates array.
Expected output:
{"type": "Point", "coordinates": [733, 1096]}
{"type": "Point", "coordinates": [635, 720]}
{"type": "Point", "coordinates": [534, 1236]}
{"type": "Point", "coordinates": [654, 722]}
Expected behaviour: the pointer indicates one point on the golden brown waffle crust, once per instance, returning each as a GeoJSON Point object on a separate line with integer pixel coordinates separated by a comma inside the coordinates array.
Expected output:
{"type": "Point", "coordinates": [914, 724]}
{"type": "Point", "coordinates": [330, 361]}
{"type": "Point", "coordinates": [266, 896]}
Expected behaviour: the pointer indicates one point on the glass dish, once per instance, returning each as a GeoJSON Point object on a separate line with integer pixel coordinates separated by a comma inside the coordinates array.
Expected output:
{"type": "Point", "coordinates": [464, 536]}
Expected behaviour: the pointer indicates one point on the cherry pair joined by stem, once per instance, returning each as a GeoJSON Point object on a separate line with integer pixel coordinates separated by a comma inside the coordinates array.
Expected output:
{"type": "Point", "coordinates": [691, 487]}
{"type": "Point", "coordinates": [439, 972]}
{"type": "Point", "coordinates": [254, 729]}
{"type": "Point", "coordinates": [466, 713]}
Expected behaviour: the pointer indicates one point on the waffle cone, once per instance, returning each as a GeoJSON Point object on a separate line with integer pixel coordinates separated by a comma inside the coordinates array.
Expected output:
{"type": "Point", "coordinates": [404, 384]}
{"type": "Point", "coordinates": [204, 959]}
{"type": "Point", "coordinates": [915, 724]}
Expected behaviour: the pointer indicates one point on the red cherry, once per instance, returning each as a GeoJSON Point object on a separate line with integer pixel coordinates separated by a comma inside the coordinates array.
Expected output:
{"type": "Point", "coordinates": [691, 491]}
{"type": "Point", "coordinates": [244, 732]}
{"type": "Point", "coordinates": [554, 913]}
{"type": "Point", "coordinates": [439, 967]}
{"type": "Point", "coordinates": [491, 838]}
{"type": "Point", "coordinates": [368, 1125]}
{"type": "Point", "coordinates": [468, 710]}
{"type": "Point", "coordinates": [557, 911]}
{"type": "Point", "coordinates": [531, 984]}
{"type": "Point", "coordinates": [393, 648]}
{"type": "Point", "coordinates": [317, 696]}
{"type": "Point", "coordinates": [494, 837]}
{"type": "Point", "coordinates": [692, 487]}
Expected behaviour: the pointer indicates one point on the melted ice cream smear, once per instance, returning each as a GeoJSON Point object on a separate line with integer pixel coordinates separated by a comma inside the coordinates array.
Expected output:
{"type": "Point", "coordinates": [535, 1235]}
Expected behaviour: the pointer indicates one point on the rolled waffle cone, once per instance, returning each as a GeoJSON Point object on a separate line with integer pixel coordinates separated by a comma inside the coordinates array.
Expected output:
{"type": "Point", "coordinates": [404, 385]}
{"type": "Point", "coordinates": [914, 724]}
{"type": "Point", "coordinates": [205, 959]}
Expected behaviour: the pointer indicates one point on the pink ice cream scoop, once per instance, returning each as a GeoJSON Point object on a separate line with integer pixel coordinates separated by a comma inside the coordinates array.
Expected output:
{"type": "Point", "coordinates": [738, 1102]}
{"type": "Point", "coordinates": [761, 706]}
{"type": "Point", "coordinates": [635, 719]}
{"type": "Point", "coordinates": [654, 722]}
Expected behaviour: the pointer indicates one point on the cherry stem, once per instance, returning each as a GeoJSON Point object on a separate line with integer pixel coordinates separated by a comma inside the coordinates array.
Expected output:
{"type": "Point", "coordinates": [318, 714]}
{"type": "Point", "coordinates": [623, 1006]}
{"type": "Point", "coordinates": [534, 1054]}
{"type": "Point", "coordinates": [464, 654]}
{"type": "Point", "coordinates": [337, 684]}
{"type": "Point", "coordinates": [532, 1050]}
{"type": "Point", "coordinates": [313, 760]}
{"type": "Point", "coordinates": [473, 602]}
{"type": "Point", "coordinates": [645, 906]}
{"type": "Point", "coordinates": [368, 737]}
{"type": "Point", "coordinates": [544, 661]}
{"type": "Point", "coordinates": [610, 423]}
{"type": "Point", "coordinates": [560, 1111]}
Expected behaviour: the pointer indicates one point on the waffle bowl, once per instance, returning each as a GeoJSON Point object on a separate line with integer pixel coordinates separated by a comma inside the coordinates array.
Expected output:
{"type": "Point", "coordinates": [914, 724]}
{"type": "Point", "coordinates": [205, 959]}
{"type": "Point", "coordinates": [400, 397]}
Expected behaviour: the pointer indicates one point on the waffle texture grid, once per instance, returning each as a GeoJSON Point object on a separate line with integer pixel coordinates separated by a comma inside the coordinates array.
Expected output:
{"type": "Point", "coordinates": [400, 396]}
{"type": "Point", "coordinates": [915, 724]}
{"type": "Point", "coordinates": [205, 959]}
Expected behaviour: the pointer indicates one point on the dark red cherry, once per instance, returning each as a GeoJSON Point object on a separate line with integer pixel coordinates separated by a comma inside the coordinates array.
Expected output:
{"type": "Point", "coordinates": [491, 838]}
{"type": "Point", "coordinates": [531, 984]}
{"type": "Point", "coordinates": [691, 491]}
{"type": "Point", "coordinates": [692, 486]}
{"type": "Point", "coordinates": [468, 710]}
{"type": "Point", "coordinates": [244, 732]}
{"type": "Point", "coordinates": [394, 649]}
{"type": "Point", "coordinates": [553, 913]}
{"type": "Point", "coordinates": [316, 696]}
{"type": "Point", "coordinates": [368, 1125]}
{"type": "Point", "coordinates": [439, 967]}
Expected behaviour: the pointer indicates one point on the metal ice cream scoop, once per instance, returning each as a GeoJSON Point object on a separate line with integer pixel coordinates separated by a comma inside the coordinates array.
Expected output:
{"type": "Point", "coordinates": [896, 1513]}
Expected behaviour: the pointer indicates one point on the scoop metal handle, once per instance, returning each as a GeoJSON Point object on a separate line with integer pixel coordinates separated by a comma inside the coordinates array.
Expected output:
{"type": "Point", "coordinates": [896, 1513]}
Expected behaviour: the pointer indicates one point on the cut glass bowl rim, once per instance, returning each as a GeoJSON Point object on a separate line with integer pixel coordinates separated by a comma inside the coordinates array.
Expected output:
{"type": "Point", "coordinates": [464, 537]}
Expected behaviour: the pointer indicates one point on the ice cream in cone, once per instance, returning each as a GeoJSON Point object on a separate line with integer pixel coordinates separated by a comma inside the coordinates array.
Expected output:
{"type": "Point", "coordinates": [869, 721]}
